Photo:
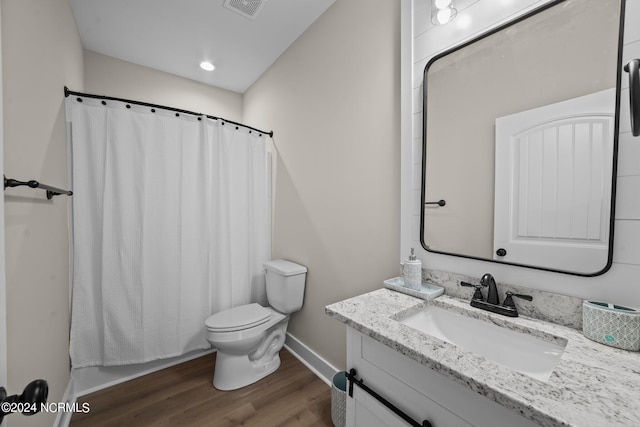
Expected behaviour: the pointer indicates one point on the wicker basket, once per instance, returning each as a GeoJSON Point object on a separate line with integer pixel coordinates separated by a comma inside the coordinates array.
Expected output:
{"type": "Point", "coordinates": [339, 399]}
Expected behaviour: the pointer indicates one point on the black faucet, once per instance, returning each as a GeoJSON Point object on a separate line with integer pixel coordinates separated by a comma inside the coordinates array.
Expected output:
{"type": "Point", "coordinates": [492, 304]}
{"type": "Point", "coordinates": [492, 295]}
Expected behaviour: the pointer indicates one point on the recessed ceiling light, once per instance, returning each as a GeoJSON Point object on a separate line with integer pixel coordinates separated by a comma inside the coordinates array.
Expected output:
{"type": "Point", "coordinates": [207, 66]}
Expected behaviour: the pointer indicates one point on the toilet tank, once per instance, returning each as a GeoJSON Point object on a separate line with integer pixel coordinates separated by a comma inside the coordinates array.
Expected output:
{"type": "Point", "coordinates": [285, 285]}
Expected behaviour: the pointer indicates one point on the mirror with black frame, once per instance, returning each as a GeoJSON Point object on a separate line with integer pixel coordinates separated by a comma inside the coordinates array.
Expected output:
{"type": "Point", "coordinates": [520, 140]}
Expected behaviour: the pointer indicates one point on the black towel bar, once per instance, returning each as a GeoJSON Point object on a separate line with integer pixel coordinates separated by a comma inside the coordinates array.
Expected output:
{"type": "Point", "coordinates": [351, 377]}
{"type": "Point", "coordinates": [51, 191]}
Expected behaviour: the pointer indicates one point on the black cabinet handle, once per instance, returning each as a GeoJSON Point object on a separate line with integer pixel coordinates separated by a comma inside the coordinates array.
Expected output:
{"type": "Point", "coordinates": [501, 252]}
{"type": "Point", "coordinates": [351, 377]}
{"type": "Point", "coordinates": [439, 203]}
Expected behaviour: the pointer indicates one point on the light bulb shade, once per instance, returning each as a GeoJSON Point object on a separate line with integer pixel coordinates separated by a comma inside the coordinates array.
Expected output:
{"type": "Point", "coordinates": [442, 4]}
{"type": "Point", "coordinates": [443, 11]}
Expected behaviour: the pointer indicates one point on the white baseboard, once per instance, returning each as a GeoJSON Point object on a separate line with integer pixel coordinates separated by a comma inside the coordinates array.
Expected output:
{"type": "Point", "coordinates": [64, 418]}
{"type": "Point", "coordinates": [312, 360]}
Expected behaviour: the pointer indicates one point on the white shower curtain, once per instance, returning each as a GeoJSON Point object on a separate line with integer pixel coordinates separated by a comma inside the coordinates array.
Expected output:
{"type": "Point", "coordinates": [170, 224]}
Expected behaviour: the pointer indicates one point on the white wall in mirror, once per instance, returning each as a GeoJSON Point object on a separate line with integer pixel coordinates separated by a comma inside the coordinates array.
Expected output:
{"type": "Point", "coordinates": [420, 43]}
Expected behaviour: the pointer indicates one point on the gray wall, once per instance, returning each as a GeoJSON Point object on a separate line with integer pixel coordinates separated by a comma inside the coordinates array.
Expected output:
{"type": "Point", "coordinates": [41, 53]}
{"type": "Point", "coordinates": [105, 75]}
{"type": "Point", "coordinates": [333, 101]}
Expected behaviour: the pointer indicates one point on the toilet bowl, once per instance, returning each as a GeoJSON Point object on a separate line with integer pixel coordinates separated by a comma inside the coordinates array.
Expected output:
{"type": "Point", "coordinates": [248, 338]}
{"type": "Point", "coordinates": [246, 353]}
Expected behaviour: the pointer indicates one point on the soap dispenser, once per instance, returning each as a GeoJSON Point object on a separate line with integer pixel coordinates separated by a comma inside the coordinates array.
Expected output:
{"type": "Point", "coordinates": [412, 272]}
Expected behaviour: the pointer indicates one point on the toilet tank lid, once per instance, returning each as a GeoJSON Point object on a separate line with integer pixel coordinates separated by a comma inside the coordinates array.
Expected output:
{"type": "Point", "coordinates": [284, 267]}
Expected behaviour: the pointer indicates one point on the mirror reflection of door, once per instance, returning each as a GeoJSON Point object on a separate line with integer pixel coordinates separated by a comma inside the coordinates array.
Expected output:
{"type": "Point", "coordinates": [553, 169]}
{"type": "Point", "coordinates": [565, 50]}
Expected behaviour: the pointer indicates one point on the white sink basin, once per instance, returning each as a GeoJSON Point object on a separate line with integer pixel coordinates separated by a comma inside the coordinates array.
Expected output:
{"type": "Point", "coordinates": [524, 353]}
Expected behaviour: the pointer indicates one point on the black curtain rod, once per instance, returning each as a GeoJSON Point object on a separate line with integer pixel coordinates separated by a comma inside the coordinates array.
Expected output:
{"type": "Point", "coordinates": [68, 92]}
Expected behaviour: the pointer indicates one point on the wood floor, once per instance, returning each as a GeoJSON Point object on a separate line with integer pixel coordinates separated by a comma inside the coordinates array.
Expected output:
{"type": "Point", "coordinates": [183, 396]}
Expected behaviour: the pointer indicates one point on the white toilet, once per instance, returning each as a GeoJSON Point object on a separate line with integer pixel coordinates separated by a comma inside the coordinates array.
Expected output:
{"type": "Point", "coordinates": [249, 337]}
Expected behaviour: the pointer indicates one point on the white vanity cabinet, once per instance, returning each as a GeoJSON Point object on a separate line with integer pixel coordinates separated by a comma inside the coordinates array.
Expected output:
{"type": "Point", "coordinates": [420, 392]}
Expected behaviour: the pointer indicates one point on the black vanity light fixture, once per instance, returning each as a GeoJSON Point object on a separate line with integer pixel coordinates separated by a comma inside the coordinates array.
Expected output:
{"type": "Point", "coordinates": [443, 11]}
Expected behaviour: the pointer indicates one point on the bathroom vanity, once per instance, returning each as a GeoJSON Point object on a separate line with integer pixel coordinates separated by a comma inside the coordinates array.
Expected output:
{"type": "Point", "coordinates": [429, 378]}
{"type": "Point", "coordinates": [424, 392]}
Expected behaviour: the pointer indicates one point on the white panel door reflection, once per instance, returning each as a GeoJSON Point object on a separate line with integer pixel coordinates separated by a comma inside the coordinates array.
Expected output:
{"type": "Point", "coordinates": [553, 184]}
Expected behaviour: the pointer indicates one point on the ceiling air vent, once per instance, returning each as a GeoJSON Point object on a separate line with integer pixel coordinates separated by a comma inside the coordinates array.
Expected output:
{"type": "Point", "coordinates": [247, 8]}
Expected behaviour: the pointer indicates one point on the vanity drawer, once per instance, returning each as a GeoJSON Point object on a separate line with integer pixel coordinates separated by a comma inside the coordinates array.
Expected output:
{"type": "Point", "coordinates": [417, 390]}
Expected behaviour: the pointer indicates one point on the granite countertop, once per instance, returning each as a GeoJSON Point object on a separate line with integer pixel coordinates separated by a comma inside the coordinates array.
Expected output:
{"type": "Point", "coordinates": [592, 385]}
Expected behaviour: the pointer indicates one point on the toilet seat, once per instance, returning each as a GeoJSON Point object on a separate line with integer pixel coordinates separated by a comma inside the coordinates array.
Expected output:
{"type": "Point", "coordinates": [238, 318]}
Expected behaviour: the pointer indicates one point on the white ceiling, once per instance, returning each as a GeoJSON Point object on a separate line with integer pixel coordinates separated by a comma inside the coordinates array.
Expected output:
{"type": "Point", "coordinates": [176, 35]}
